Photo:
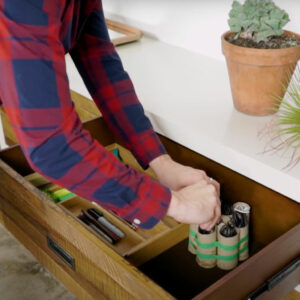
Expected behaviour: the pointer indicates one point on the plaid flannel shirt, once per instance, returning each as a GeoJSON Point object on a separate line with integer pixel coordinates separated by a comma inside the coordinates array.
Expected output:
{"type": "Point", "coordinates": [35, 35]}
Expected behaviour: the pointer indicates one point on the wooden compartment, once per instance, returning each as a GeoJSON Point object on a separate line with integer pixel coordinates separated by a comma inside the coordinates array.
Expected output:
{"type": "Point", "coordinates": [138, 245]}
{"type": "Point", "coordinates": [153, 264]}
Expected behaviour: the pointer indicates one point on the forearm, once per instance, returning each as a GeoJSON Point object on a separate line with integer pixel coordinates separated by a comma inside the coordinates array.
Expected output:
{"type": "Point", "coordinates": [35, 94]}
{"type": "Point", "coordinates": [98, 176]}
{"type": "Point", "coordinates": [160, 164]}
{"type": "Point", "coordinates": [112, 90]}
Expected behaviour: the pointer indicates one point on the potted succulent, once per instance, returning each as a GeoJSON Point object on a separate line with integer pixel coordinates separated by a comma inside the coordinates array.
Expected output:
{"type": "Point", "coordinates": [260, 55]}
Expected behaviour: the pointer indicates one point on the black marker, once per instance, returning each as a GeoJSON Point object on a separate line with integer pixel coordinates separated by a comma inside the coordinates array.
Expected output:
{"type": "Point", "coordinates": [101, 219]}
{"type": "Point", "coordinates": [100, 232]}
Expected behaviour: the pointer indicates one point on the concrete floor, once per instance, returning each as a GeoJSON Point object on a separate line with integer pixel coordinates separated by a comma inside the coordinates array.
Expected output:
{"type": "Point", "coordinates": [22, 277]}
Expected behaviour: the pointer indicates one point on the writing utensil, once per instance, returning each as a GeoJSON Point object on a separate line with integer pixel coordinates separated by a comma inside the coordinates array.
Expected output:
{"type": "Point", "coordinates": [99, 216]}
{"type": "Point", "coordinates": [103, 228]}
{"type": "Point", "coordinates": [95, 228]}
{"type": "Point", "coordinates": [126, 222]}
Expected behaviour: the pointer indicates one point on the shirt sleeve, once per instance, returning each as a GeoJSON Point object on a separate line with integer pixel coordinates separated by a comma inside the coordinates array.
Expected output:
{"type": "Point", "coordinates": [34, 90]}
{"type": "Point", "coordinates": [112, 90]}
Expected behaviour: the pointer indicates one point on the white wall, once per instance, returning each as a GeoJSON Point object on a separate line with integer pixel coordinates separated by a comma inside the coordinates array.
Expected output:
{"type": "Point", "coordinates": [192, 24]}
{"type": "Point", "coordinates": [2, 138]}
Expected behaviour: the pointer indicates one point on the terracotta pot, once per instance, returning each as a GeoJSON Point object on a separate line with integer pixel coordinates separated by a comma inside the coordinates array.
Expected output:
{"type": "Point", "coordinates": [257, 76]}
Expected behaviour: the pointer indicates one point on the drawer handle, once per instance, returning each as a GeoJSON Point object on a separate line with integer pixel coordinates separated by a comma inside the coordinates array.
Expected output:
{"type": "Point", "coordinates": [61, 252]}
{"type": "Point", "coordinates": [276, 279]}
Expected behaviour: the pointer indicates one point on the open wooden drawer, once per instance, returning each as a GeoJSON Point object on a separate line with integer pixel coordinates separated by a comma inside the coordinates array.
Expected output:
{"type": "Point", "coordinates": [138, 246]}
{"type": "Point", "coordinates": [151, 264]}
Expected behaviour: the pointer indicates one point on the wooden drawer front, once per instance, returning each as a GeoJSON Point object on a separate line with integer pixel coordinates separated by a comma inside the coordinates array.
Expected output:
{"type": "Point", "coordinates": [34, 238]}
{"type": "Point", "coordinates": [96, 264]}
{"type": "Point", "coordinates": [102, 271]}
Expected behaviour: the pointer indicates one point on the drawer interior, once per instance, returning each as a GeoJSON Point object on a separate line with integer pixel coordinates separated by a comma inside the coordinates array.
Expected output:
{"type": "Point", "coordinates": [161, 253]}
{"type": "Point", "coordinates": [272, 217]}
{"type": "Point", "coordinates": [177, 271]}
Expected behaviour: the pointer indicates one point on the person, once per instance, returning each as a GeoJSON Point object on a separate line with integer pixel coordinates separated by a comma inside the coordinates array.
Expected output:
{"type": "Point", "coordinates": [34, 90]}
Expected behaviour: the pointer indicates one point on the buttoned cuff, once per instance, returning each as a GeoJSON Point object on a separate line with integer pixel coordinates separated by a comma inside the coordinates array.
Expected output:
{"type": "Point", "coordinates": [148, 209]}
{"type": "Point", "coordinates": [147, 147]}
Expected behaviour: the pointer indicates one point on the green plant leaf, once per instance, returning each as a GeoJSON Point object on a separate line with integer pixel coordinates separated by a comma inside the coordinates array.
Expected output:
{"type": "Point", "coordinates": [257, 17]}
{"type": "Point", "coordinates": [273, 23]}
{"type": "Point", "coordinates": [287, 126]}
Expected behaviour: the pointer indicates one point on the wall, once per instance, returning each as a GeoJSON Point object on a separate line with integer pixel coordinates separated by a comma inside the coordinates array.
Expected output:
{"type": "Point", "coordinates": [192, 24]}
{"type": "Point", "coordinates": [2, 138]}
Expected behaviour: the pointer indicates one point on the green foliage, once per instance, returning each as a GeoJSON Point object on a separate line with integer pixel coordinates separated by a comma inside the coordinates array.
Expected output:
{"type": "Point", "coordinates": [284, 130]}
{"type": "Point", "coordinates": [257, 19]}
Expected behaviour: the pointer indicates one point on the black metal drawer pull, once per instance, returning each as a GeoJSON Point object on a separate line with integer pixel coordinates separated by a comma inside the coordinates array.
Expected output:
{"type": "Point", "coordinates": [276, 279]}
{"type": "Point", "coordinates": [61, 252]}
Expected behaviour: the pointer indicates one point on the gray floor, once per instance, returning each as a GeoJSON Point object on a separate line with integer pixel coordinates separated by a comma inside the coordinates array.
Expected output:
{"type": "Point", "coordinates": [22, 277]}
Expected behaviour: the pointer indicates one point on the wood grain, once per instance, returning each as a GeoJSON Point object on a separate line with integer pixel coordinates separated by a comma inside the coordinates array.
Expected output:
{"type": "Point", "coordinates": [159, 243]}
{"type": "Point", "coordinates": [8, 130]}
{"type": "Point", "coordinates": [130, 33]}
{"type": "Point", "coordinates": [75, 205]}
{"type": "Point", "coordinates": [269, 209]}
{"type": "Point", "coordinates": [259, 268]}
{"type": "Point", "coordinates": [85, 108]}
{"type": "Point", "coordinates": [293, 295]}
{"type": "Point", "coordinates": [147, 243]}
{"type": "Point", "coordinates": [31, 215]}
{"type": "Point", "coordinates": [77, 239]}
{"type": "Point", "coordinates": [35, 242]}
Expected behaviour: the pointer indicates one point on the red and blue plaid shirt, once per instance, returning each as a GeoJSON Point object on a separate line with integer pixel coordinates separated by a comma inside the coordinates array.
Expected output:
{"type": "Point", "coordinates": [35, 35]}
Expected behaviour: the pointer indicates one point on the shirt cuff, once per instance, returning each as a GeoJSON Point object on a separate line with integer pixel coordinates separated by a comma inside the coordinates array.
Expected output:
{"type": "Point", "coordinates": [147, 211]}
{"type": "Point", "coordinates": [147, 147]}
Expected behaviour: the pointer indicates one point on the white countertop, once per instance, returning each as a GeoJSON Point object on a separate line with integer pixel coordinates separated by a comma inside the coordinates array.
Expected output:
{"type": "Point", "coordinates": [187, 97]}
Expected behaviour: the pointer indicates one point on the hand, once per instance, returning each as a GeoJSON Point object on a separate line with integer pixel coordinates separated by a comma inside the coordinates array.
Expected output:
{"type": "Point", "coordinates": [196, 204]}
{"type": "Point", "coordinates": [176, 176]}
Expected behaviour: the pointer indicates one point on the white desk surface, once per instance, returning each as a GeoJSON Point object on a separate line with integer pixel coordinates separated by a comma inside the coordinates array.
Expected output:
{"type": "Point", "coordinates": [187, 97]}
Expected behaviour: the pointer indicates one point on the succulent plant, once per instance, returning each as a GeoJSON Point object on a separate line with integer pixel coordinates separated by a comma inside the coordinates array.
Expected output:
{"type": "Point", "coordinates": [257, 19]}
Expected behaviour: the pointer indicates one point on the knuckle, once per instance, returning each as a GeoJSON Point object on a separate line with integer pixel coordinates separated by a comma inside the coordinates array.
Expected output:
{"type": "Point", "coordinates": [211, 188]}
{"type": "Point", "coordinates": [202, 173]}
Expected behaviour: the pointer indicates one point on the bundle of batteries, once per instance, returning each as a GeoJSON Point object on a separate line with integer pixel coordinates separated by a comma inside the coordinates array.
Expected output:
{"type": "Point", "coordinates": [227, 243]}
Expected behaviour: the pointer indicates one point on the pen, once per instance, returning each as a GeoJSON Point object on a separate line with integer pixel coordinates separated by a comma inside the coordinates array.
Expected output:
{"type": "Point", "coordinates": [129, 224]}
{"type": "Point", "coordinates": [94, 227]}
{"type": "Point", "coordinates": [101, 219]}
{"type": "Point", "coordinates": [115, 238]}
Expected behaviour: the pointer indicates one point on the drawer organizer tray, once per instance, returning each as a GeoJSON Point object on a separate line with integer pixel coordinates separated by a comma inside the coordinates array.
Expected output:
{"type": "Point", "coordinates": [138, 246]}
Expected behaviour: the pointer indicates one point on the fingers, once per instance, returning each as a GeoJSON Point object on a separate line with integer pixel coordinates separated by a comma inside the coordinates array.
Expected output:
{"type": "Point", "coordinates": [217, 216]}
{"type": "Point", "coordinates": [205, 226]}
{"type": "Point", "coordinates": [201, 175]}
{"type": "Point", "coordinates": [216, 185]}
{"type": "Point", "coordinates": [216, 207]}
{"type": "Point", "coordinates": [196, 204]}
{"type": "Point", "coordinates": [215, 220]}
